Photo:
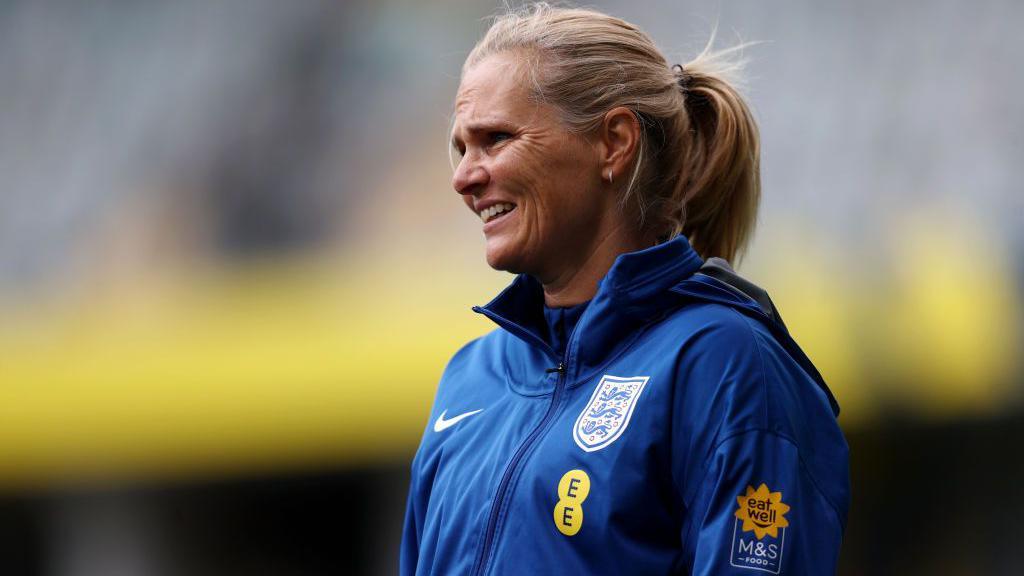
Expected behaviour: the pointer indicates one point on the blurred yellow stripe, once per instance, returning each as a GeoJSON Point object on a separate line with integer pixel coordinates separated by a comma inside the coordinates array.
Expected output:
{"type": "Point", "coordinates": [266, 368]}
{"type": "Point", "coordinates": [290, 364]}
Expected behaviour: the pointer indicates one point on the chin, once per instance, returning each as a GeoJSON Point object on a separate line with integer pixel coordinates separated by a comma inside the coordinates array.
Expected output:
{"type": "Point", "coordinates": [505, 258]}
{"type": "Point", "coordinates": [500, 261]}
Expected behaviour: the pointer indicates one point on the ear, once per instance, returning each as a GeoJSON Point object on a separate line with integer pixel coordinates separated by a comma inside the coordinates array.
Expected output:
{"type": "Point", "coordinates": [618, 141]}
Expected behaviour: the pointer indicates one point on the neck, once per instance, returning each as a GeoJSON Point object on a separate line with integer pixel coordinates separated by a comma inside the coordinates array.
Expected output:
{"type": "Point", "coordinates": [577, 284]}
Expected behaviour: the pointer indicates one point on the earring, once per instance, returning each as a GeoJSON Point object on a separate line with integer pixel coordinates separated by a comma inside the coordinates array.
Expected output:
{"type": "Point", "coordinates": [609, 175]}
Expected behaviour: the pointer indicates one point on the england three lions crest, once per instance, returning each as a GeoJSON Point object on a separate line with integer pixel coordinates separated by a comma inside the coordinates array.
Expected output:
{"type": "Point", "coordinates": [607, 414]}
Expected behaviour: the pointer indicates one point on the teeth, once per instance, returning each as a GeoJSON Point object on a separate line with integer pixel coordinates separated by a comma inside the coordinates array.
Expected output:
{"type": "Point", "coordinates": [488, 213]}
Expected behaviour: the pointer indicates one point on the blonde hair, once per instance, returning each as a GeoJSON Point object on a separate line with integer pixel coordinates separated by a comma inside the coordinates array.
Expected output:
{"type": "Point", "coordinates": [697, 168]}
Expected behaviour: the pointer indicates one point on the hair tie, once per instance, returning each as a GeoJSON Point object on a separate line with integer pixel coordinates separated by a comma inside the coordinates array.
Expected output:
{"type": "Point", "coordinates": [683, 78]}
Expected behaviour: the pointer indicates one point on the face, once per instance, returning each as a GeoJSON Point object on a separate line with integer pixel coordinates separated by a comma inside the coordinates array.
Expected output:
{"type": "Point", "coordinates": [535, 186]}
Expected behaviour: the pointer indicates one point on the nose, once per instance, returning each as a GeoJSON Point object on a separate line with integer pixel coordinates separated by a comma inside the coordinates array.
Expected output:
{"type": "Point", "coordinates": [470, 176]}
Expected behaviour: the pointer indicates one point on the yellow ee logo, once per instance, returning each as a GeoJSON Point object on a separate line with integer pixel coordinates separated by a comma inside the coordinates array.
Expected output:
{"type": "Point", "coordinates": [573, 489]}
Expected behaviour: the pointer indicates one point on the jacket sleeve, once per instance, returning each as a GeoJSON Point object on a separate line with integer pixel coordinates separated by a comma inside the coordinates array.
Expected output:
{"type": "Point", "coordinates": [411, 532]}
{"type": "Point", "coordinates": [419, 541]}
{"type": "Point", "coordinates": [758, 458]}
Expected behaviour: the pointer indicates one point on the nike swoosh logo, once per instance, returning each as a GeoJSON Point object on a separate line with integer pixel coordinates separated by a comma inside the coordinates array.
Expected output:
{"type": "Point", "coordinates": [443, 424]}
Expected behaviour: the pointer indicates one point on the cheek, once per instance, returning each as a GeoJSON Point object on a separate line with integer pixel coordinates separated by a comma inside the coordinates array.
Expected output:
{"type": "Point", "coordinates": [572, 194]}
{"type": "Point", "coordinates": [549, 175]}
{"type": "Point", "coordinates": [526, 180]}
{"type": "Point", "coordinates": [551, 184]}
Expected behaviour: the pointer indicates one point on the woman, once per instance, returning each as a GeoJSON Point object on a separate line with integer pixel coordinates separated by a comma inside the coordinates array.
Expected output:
{"type": "Point", "coordinates": [639, 410]}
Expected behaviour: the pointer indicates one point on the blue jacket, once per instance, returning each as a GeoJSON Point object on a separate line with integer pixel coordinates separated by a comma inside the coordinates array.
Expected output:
{"type": "Point", "coordinates": [682, 432]}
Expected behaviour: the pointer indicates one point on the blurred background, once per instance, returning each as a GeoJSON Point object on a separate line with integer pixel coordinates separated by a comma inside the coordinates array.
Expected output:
{"type": "Point", "coordinates": [232, 268]}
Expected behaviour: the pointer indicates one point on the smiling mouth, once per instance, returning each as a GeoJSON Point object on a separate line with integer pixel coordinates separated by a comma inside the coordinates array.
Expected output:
{"type": "Point", "coordinates": [496, 211]}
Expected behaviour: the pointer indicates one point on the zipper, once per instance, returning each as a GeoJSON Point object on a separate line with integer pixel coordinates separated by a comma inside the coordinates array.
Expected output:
{"type": "Point", "coordinates": [480, 565]}
{"type": "Point", "coordinates": [503, 486]}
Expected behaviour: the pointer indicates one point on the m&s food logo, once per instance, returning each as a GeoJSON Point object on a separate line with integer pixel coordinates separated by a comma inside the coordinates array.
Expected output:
{"type": "Point", "coordinates": [762, 512]}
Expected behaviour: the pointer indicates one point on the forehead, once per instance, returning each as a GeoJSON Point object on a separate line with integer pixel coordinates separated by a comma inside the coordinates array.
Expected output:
{"type": "Point", "coordinates": [494, 91]}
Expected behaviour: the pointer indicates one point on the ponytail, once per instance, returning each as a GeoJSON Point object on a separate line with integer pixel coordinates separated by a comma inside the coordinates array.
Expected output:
{"type": "Point", "coordinates": [719, 185]}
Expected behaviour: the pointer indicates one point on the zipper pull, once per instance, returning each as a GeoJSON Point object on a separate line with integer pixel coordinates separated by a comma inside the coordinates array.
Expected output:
{"type": "Point", "coordinates": [560, 369]}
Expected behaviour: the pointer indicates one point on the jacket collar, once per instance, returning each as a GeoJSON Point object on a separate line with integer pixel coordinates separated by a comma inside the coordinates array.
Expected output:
{"type": "Point", "coordinates": [633, 292]}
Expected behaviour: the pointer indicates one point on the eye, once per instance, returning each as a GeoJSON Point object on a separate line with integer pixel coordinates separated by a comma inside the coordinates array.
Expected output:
{"type": "Point", "coordinates": [498, 137]}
